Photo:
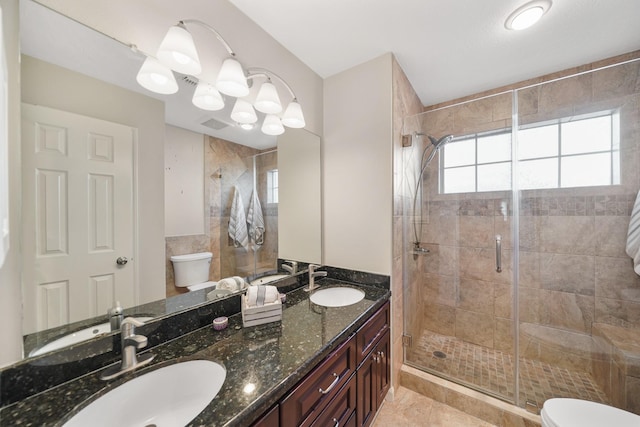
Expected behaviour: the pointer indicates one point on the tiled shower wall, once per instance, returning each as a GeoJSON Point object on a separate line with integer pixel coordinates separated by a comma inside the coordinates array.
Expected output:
{"type": "Point", "coordinates": [573, 269]}
{"type": "Point", "coordinates": [226, 164]}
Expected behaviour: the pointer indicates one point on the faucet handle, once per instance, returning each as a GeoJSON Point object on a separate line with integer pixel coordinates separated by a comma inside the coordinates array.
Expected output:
{"type": "Point", "coordinates": [133, 321]}
{"type": "Point", "coordinates": [138, 341]}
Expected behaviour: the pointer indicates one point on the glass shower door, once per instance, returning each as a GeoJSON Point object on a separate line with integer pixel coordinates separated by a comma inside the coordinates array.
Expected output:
{"type": "Point", "coordinates": [578, 163]}
{"type": "Point", "coordinates": [458, 245]}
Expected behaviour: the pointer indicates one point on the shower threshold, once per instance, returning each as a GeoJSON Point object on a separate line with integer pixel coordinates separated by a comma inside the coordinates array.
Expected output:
{"type": "Point", "coordinates": [491, 371]}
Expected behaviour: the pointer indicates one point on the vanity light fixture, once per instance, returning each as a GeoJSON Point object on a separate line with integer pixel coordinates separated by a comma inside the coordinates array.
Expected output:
{"type": "Point", "coordinates": [527, 14]}
{"type": "Point", "coordinates": [178, 53]}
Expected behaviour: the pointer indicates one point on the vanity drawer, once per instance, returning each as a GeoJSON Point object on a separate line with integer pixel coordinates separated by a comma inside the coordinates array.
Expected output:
{"type": "Point", "coordinates": [369, 334]}
{"type": "Point", "coordinates": [270, 419]}
{"type": "Point", "coordinates": [307, 400]}
{"type": "Point", "coordinates": [341, 410]}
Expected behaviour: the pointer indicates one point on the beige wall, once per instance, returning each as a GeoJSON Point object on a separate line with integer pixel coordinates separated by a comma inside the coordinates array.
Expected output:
{"type": "Point", "coordinates": [357, 167]}
{"type": "Point", "coordinates": [183, 182]}
{"type": "Point", "coordinates": [52, 86]}
{"type": "Point", "coordinates": [299, 207]}
{"type": "Point", "coordinates": [10, 290]}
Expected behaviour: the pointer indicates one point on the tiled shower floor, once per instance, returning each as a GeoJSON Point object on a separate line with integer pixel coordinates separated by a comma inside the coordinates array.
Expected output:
{"type": "Point", "coordinates": [493, 370]}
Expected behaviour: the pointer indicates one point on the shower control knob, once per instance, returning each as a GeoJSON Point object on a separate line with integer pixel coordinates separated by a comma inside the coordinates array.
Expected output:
{"type": "Point", "coordinates": [122, 260]}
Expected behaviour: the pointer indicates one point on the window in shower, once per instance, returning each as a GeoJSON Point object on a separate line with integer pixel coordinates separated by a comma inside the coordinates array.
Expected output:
{"type": "Point", "coordinates": [581, 151]}
{"type": "Point", "coordinates": [272, 186]}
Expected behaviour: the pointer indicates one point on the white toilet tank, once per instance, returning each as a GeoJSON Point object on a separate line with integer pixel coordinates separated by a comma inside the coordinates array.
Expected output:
{"type": "Point", "coordinates": [190, 269]}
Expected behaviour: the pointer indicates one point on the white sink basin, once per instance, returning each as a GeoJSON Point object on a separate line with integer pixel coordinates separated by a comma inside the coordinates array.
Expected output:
{"type": "Point", "coordinates": [169, 396]}
{"type": "Point", "coordinates": [76, 337]}
{"type": "Point", "coordinates": [337, 297]}
{"type": "Point", "coordinates": [268, 279]}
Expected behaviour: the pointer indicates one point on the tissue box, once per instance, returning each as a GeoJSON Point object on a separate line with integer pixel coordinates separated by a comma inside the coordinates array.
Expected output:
{"type": "Point", "coordinates": [252, 316]}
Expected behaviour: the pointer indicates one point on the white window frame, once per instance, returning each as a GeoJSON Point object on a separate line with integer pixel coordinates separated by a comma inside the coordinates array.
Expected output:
{"type": "Point", "coordinates": [614, 151]}
{"type": "Point", "coordinates": [272, 186]}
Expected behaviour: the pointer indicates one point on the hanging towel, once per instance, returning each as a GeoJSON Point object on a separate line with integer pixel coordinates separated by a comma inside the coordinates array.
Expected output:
{"type": "Point", "coordinates": [238, 222]}
{"type": "Point", "coordinates": [255, 220]}
{"type": "Point", "coordinates": [633, 236]}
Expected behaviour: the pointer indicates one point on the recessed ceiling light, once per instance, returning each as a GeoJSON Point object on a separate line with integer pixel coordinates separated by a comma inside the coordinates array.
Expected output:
{"type": "Point", "coordinates": [527, 14]}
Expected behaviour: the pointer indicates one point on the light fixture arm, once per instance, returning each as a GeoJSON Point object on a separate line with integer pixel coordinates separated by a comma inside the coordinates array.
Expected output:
{"type": "Point", "coordinates": [213, 30]}
{"type": "Point", "coordinates": [254, 72]}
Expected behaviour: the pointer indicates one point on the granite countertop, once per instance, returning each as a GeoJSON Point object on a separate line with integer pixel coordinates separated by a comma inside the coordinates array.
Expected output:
{"type": "Point", "coordinates": [273, 356]}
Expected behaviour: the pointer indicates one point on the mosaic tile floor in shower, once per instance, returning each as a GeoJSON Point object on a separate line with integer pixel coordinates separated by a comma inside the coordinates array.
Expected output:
{"type": "Point", "coordinates": [493, 370]}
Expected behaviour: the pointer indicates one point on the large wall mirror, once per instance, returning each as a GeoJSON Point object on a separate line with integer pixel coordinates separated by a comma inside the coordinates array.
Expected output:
{"type": "Point", "coordinates": [78, 82]}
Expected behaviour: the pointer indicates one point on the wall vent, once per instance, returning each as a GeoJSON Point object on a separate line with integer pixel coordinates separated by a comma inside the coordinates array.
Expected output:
{"type": "Point", "coordinates": [214, 124]}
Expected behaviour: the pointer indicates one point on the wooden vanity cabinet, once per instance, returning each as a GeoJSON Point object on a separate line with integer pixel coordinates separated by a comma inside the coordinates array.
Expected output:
{"type": "Point", "coordinates": [346, 388]}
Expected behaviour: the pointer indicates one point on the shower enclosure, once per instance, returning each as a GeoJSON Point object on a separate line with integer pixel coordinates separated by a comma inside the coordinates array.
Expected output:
{"type": "Point", "coordinates": [518, 284]}
{"type": "Point", "coordinates": [252, 176]}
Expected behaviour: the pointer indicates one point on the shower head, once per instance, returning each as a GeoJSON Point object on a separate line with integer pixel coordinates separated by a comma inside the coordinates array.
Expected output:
{"type": "Point", "coordinates": [437, 143]}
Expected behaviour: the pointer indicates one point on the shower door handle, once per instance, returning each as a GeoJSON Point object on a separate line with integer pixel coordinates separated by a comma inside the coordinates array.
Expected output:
{"type": "Point", "coordinates": [499, 253]}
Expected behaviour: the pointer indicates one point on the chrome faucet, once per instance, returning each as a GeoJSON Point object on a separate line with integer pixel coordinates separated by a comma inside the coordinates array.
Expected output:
{"type": "Point", "coordinates": [115, 316]}
{"type": "Point", "coordinates": [292, 269]}
{"type": "Point", "coordinates": [130, 343]}
{"type": "Point", "coordinates": [312, 275]}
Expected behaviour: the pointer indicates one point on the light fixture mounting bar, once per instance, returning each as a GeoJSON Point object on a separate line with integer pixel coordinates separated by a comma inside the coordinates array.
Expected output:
{"type": "Point", "coordinates": [254, 72]}
{"type": "Point", "coordinates": [213, 30]}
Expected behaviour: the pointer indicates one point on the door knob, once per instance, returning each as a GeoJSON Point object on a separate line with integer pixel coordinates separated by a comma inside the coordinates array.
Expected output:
{"type": "Point", "coordinates": [122, 260]}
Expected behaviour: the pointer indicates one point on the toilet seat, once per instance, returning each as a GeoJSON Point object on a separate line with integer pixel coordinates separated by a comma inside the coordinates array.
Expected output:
{"type": "Point", "coordinates": [199, 286]}
{"type": "Point", "coordinates": [582, 413]}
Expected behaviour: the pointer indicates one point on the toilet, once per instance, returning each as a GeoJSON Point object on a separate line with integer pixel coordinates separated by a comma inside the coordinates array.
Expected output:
{"type": "Point", "coordinates": [582, 413]}
{"type": "Point", "coordinates": [191, 271]}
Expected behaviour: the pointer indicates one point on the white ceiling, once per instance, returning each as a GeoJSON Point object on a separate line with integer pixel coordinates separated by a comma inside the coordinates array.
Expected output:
{"type": "Point", "coordinates": [448, 48]}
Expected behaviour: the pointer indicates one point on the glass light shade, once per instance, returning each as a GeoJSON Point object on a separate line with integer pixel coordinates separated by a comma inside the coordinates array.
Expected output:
{"type": "Point", "coordinates": [243, 112]}
{"type": "Point", "coordinates": [178, 52]}
{"type": "Point", "coordinates": [231, 79]}
{"type": "Point", "coordinates": [272, 125]}
{"type": "Point", "coordinates": [527, 18]}
{"type": "Point", "coordinates": [267, 100]}
{"type": "Point", "coordinates": [156, 77]}
{"type": "Point", "coordinates": [293, 117]}
{"type": "Point", "coordinates": [207, 97]}
{"type": "Point", "coordinates": [527, 15]}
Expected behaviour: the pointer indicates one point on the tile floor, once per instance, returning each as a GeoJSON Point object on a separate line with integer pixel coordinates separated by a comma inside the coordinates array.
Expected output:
{"type": "Point", "coordinates": [411, 409]}
{"type": "Point", "coordinates": [493, 370]}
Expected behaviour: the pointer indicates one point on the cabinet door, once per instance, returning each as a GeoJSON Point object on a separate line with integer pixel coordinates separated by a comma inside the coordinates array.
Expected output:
{"type": "Point", "coordinates": [367, 393]}
{"type": "Point", "coordinates": [383, 359]}
{"type": "Point", "coordinates": [374, 381]}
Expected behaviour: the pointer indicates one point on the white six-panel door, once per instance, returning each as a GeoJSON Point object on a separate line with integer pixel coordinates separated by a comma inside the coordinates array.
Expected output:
{"type": "Point", "coordinates": [78, 216]}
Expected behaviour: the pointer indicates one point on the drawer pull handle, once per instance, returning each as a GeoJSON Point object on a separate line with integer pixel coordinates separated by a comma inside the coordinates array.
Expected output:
{"type": "Point", "coordinates": [333, 384]}
{"type": "Point", "coordinates": [337, 423]}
